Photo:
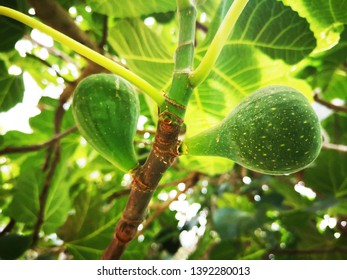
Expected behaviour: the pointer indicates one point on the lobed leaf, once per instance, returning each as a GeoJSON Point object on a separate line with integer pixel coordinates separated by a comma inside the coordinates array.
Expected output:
{"type": "Point", "coordinates": [267, 38]}
{"type": "Point", "coordinates": [325, 18]}
{"type": "Point", "coordinates": [143, 50]}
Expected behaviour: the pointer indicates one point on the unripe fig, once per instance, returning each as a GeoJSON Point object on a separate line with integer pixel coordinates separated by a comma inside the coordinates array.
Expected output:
{"type": "Point", "coordinates": [106, 111]}
{"type": "Point", "coordinates": [273, 130]}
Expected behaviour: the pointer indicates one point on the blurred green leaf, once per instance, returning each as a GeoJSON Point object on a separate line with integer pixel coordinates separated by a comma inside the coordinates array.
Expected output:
{"type": "Point", "coordinates": [236, 201]}
{"type": "Point", "coordinates": [208, 165]}
{"type": "Point", "coordinates": [336, 54]}
{"type": "Point", "coordinates": [326, 69]}
{"type": "Point", "coordinates": [58, 202]}
{"type": "Point", "coordinates": [143, 50]}
{"type": "Point", "coordinates": [128, 9]}
{"type": "Point", "coordinates": [15, 138]}
{"type": "Point", "coordinates": [25, 204]}
{"type": "Point", "coordinates": [89, 229]}
{"type": "Point", "coordinates": [337, 87]}
{"type": "Point", "coordinates": [74, 223]}
{"type": "Point", "coordinates": [303, 225]}
{"type": "Point", "coordinates": [11, 90]}
{"type": "Point", "coordinates": [274, 42]}
{"type": "Point", "coordinates": [12, 245]}
{"type": "Point", "coordinates": [91, 246]}
{"type": "Point", "coordinates": [231, 223]}
{"type": "Point", "coordinates": [226, 250]}
{"type": "Point", "coordinates": [205, 242]}
{"type": "Point", "coordinates": [11, 31]}
{"type": "Point", "coordinates": [336, 127]}
{"type": "Point", "coordinates": [328, 175]}
{"type": "Point", "coordinates": [137, 250]}
{"type": "Point", "coordinates": [68, 3]}
{"type": "Point", "coordinates": [43, 123]}
{"type": "Point", "coordinates": [325, 18]}
{"type": "Point", "coordinates": [291, 197]}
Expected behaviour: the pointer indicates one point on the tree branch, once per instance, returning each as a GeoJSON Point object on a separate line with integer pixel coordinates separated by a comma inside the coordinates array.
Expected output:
{"type": "Point", "coordinates": [336, 147]}
{"type": "Point", "coordinates": [104, 33]}
{"type": "Point", "coordinates": [145, 180]}
{"type": "Point", "coordinates": [45, 191]}
{"type": "Point", "coordinates": [190, 182]}
{"type": "Point", "coordinates": [201, 27]}
{"type": "Point", "coordinates": [50, 12]}
{"type": "Point", "coordinates": [185, 180]}
{"type": "Point", "coordinates": [36, 147]}
{"type": "Point", "coordinates": [52, 50]}
{"type": "Point", "coordinates": [165, 146]}
{"type": "Point", "coordinates": [46, 63]}
{"type": "Point", "coordinates": [328, 104]}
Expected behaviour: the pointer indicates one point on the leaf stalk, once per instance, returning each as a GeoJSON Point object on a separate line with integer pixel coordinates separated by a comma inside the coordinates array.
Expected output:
{"type": "Point", "coordinates": [86, 52]}
{"type": "Point", "coordinates": [218, 42]}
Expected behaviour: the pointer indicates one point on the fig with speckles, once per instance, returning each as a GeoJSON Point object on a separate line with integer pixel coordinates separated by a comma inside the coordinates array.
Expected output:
{"type": "Point", "coordinates": [106, 111]}
{"type": "Point", "coordinates": [273, 131]}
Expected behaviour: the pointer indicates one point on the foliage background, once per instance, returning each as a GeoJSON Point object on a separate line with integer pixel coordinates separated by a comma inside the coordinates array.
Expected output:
{"type": "Point", "coordinates": [60, 200]}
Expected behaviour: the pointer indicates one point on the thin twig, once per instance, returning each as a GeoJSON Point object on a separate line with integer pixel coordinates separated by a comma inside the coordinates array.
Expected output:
{"type": "Point", "coordinates": [47, 64]}
{"type": "Point", "coordinates": [329, 105]}
{"type": "Point", "coordinates": [51, 50]}
{"type": "Point", "coordinates": [54, 15]}
{"type": "Point", "coordinates": [44, 193]}
{"type": "Point", "coordinates": [104, 32]}
{"type": "Point", "coordinates": [336, 147]}
{"type": "Point", "coordinates": [201, 27]}
{"type": "Point", "coordinates": [36, 147]}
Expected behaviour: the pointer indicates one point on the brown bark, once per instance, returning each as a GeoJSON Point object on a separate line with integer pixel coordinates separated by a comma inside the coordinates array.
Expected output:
{"type": "Point", "coordinates": [52, 14]}
{"type": "Point", "coordinates": [329, 105]}
{"type": "Point", "coordinates": [145, 180]}
{"type": "Point", "coordinates": [36, 147]}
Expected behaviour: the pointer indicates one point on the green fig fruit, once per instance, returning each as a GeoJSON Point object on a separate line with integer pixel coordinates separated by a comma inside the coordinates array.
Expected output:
{"type": "Point", "coordinates": [106, 111]}
{"type": "Point", "coordinates": [273, 131]}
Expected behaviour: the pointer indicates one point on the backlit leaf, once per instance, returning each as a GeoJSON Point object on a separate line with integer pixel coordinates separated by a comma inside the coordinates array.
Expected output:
{"type": "Point", "coordinates": [143, 50]}
{"type": "Point", "coordinates": [325, 17]}
{"type": "Point", "coordinates": [210, 165]}
{"type": "Point", "coordinates": [134, 8]}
